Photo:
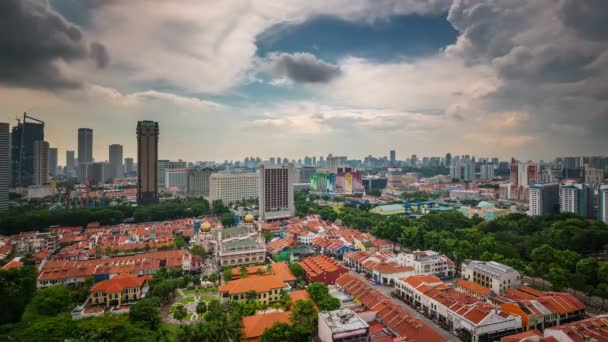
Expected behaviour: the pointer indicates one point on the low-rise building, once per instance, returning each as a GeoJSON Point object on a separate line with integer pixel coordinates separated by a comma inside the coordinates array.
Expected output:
{"type": "Point", "coordinates": [267, 288]}
{"type": "Point", "coordinates": [119, 290]}
{"type": "Point", "coordinates": [322, 269]}
{"type": "Point", "coordinates": [34, 242]}
{"type": "Point", "coordinates": [342, 325]}
{"type": "Point", "coordinates": [428, 262]}
{"type": "Point", "coordinates": [491, 274]}
{"type": "Point", "coordinates": [254, 326]}
{"type": "Point", "coordinates": [591, 329]}
{"type": "Point", "coordinates": [473, 289]}
{"type": "Point", "coordinates": [240, 245]}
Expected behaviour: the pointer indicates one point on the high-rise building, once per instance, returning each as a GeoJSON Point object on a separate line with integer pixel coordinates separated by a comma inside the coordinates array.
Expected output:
{"type": "Point", "coordinates": [129, 166]}
{"type": "Point", "coordinates": [198, 182]}
{"type": "Point", "coordinates": [41, 162]}
{"type": "Point", "coordinates": [392, 157]}
{"type": "Point", "coordinates": [70, 163]}
{"type": "Point", "coordinates": [232, 187]}
{"type": "Point", "coordinates": [147, 162]}
{"type": "Point", "coordinates": [53, 161]}
{"type": "Point", "coordinates": [116, 167]}
{"type": "Point", "coordinates": [577, 199]}
{"type": "Point", "coordinates": [413, 160]}
{"type": "Point", "coordinates": [275, 192]}
{"type": "Point", "coordinates": [544, 199]}
{"type": "Point", "coordinates": [176, 178]}
{"type": "Point", "coordinates": [486, 172]}
{"type": "Point", "coordinates": [97, 173]}
{"type": "Point", "coordinates": [85, 145]}
{"type": "Point", "coordinates": [164, 165]}
{"type": "Point", "coordinates": [4, 166]}
{"type": "Point", "coordinates": [602, 212]}
{"type": "Point", "coordinates": [448, 159]}
{"type": "Point", "coordinates": [592, 175]}
{"type": "Point", "coordinates": [305, 173]}
{"type": "Point", "coordinates": [332, 163]}
{"type": "Point", "coordinates": [22, 150]}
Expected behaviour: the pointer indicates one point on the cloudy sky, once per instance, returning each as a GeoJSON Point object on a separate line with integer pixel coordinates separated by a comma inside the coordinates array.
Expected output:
{"type": "Point", "coordinates": [235, 78]}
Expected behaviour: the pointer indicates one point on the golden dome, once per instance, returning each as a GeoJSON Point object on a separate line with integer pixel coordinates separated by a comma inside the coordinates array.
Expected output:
{"type": "Point", "coordinates": [205, 227]}
{"type": "Point", "coordinates": [249, 218]}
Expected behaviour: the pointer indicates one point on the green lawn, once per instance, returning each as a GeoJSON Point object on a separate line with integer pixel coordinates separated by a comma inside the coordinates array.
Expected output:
{"type": "Point", "coordinates": [204, 298]}
{"type": "Point", "coordinates": [187, 300]}
{"type": "Point", "coordinates": [172, 329]}
{"type": "Point", "coordinates": [188, 316]}
{"type": "Point", "coordinates": [210, 289]}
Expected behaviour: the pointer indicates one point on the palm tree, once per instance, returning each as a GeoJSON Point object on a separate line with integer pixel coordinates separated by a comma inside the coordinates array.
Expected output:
{"type": "Point", "coordinates": [228, 329]}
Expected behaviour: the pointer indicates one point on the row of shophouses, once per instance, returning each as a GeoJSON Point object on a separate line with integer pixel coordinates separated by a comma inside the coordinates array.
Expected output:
{"type": "Point", "coordinates": [488, 303]}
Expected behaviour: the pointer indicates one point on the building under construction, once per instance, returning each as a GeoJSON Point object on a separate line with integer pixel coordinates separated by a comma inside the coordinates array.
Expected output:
{"type": "Point", "coordinates": [22, 150]}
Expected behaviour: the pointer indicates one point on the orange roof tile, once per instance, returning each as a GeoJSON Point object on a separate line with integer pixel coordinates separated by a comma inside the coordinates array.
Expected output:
{"type": "Point", "coordinates": [473, 287]}
{"type": "Point", "coordinates": [254, 326]}
{"type": "Point", "coordinates": [255, 283]}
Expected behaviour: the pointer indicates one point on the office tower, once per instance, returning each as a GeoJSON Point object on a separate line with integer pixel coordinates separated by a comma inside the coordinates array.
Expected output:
{"type": "Point", "coordinates": [602, 212]}
{"type": "Point", "coordinates": [275, 192]}
{"type": "Point", "coordinates": [198, 182]}
{"type": "Point", "coordinates": [4, 166]}
{"type": "Point", "coordinates": [176, 178]}
{"type": "Point", "coordinates": [544, 199]}
{"type": "Point", "coordinates": [413, 160]}
{"type": "Point", "coordinates": [332, 163]}
{"type": "Point", "coordinates": [116, 167]}
{"type": "Point", "coordinates": [164, 165]}
{"type": "Point", "coordinates": [129, 169]}
{"type": "Point", "coordinates": [53, 161]}
{"type": "Point", "coordinates": [22, 150]}
{"type": "Point", "coordinates": [305, 173]}
{"type": "Point", "coordinates": [147, 162]}
{"type": "Point", "coordinates": [41, 162]}
{"type": "Point", "coordinates": [577, 199]}
{"type": "Point", "coordinates": [85, 145]}
{"type": "Point", "coordinates": [455, 170]}
{"type": "Point", "coordinates": [486, 172]}
{"type": "Point", "coordinates": [448, 159]}
{"type": "Point", "coordinates": [392, 156]}
{"type": "Point", "coordinates": [468, 170]}
{"type": "Point", "coordinates": [272, 161]}
{"type": "Point", "coordinates": [232, 187]}
{"type": "Point", "coordinates": [70, 163]}
{"type": "Point", "coordinates": [314, 160]}
{"type": "Point", "coordinates": [97, 173]}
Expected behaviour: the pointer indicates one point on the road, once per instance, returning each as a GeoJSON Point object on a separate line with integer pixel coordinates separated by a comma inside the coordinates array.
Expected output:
{"type": "Point", "coordinates": [386, 290]}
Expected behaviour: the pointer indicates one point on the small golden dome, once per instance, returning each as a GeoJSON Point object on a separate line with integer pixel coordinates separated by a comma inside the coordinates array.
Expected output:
{"type": "Point", "coordinates": [206, 226]}
{"type": "Point", "coordinates": [249, 218]}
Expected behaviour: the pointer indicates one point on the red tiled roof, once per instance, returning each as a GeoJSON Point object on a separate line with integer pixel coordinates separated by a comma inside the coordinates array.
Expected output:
{"type": "Point", "coordinates": [473, 287]}
{"type": "Point", "coordinates": [12, 264]}
{"type": "Point", "coordinates": [254, 326]}
{"type": "Point", "coordinates": [119, 283]}
{"type": "Point", "coordinates": [255, 283]}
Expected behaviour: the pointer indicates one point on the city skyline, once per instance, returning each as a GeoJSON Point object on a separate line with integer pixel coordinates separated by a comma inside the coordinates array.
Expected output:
{"type": "Point", "coordinates": [424, 77]}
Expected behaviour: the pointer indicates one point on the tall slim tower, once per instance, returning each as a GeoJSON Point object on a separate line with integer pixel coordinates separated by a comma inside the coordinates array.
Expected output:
{"type": "Point", "coordinates": [70, 163]}
{"type": "Point", "coordinates": [392, 157]}
{"type": "Point", "coordinates": [147, 159]}
{"type": "Point", "coordinates": [53, 161]}
{"type": "Point", "coordinates": [129, 166]}
{"type": "Point", "coordinates": [602, 208]}
{"type": "Point", "coordinates": [4, 166]}
{"type": "Point", "coordinates": [275, 187]}
{"type": "Point", "coordinates": [22, 150]}
{"type": "Point", "coordinates": [41, 162]}
{"type": "Point", "coordinates": [85, 145]}
{"type": "Point", "coordinates": [116, 161]}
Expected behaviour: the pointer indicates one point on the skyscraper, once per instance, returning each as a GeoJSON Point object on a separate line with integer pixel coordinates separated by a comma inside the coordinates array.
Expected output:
{"type": "Point", "coordinates": [147, 159]}
{"type": "Point", "coordinates": [4, 166]}
{"type": "Point", "coordinates": [53, 161]}
{"type": "Point", "coordinates": [41, 162]}
{"type": "Point", "coordinates": [22, 150]}
{"type": "Point", "coordinates": [448, 159]}
{"type": "Point", "coordinates": [70, 163]}
{"type": "Point", "coordinates": [163, 166]}
{"type": "Point", "coordinates": [577, 199]}
{"type": "Point", "coordinates": [275, 188]}
{"type": "Point", "coordinates": [392, 157]}
{"type": "Point", "coordinates": [116, 167]}
{"type": "Point", "coordinates": [129, 166]}
{"type": "Point", "coordinates": [544, 199]}
{"type": "Point", "coordinates": [602, 212]}
{"type": "Point", "coordinates": [85, 145]}
{"type": "Point", "coordinates": [486, 172]}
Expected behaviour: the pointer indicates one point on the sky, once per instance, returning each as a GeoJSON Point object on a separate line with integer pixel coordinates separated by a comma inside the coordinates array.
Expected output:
{"type": "Point", "coordinates": [237, 78]}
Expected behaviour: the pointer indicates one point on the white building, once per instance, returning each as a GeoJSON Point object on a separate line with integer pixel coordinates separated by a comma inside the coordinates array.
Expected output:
{"type": "Point", "coordinates": [602, 208]}
{"type": "Point", "coordinates": [231, 187]}
{"type": "Point", "coordinates": [493, 275]}
{"type": "Point", "coordinates": [544, 199]}
{"type": "Point", "coordinates": [276, 192]}
{"type": "Point", "coordinates": [176, 178]}
{"type": "Point", "coordinates": [163, 165]}
{"type": "Point", "coordinates": [428, 262]}
{"type": "Point", "coordinates": [486, 172]}
{"type": "Point", "coordinates": [465, 194]}
{"type": "Point", "coordinates": [4, 166]}
{"type": "Point", "coordinates": [577, 199]}
{"type": "Point", "coordinates": [342, 325]}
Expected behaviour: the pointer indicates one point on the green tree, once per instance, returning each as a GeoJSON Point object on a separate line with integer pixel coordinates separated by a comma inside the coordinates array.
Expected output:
{"type": "Point", "coordinates": [146, 312]}
{"type": "Point", "coordinates": [227, 274]}
{"type": "Point", "coordinates": [197, 250]}
{"type": "Point", "coordinates": [180, 313]}
{"type": "Point", "coordinates": [17, 287]}
{"type": "Point", "coordinates": [243, 271]}
{"type": "Point", "coordinates": [179, 242]}
{"type": "Point", "coordinates": [304, 317]}
{"type": "Point", "coordinates": [588, 268]}
{"type": "Point", "coordinates": [227, 219]}
{"type": "Point", "coordinates": [268, 235]}
{"type": "Point", "coordinates": [558, 278]}
{"type": "Point", "coordinates": [297, 270]}
{"type": "Point", "coordinates": [51, 301]}
{"type": "Point", "coordinates": [201, 308]}
{"type": "Point", "coordinates": [251, 296]}
{"type": "Point", "coordinates": [282, 332]}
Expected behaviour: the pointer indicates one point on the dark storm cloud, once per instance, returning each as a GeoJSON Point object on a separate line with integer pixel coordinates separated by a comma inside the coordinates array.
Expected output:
{"type": "Point", "coordinates": [587, 18]}
{"type": "Point", "coordinates": [35, 40]}
{"type": "Point", "coordinates": [302, 68]}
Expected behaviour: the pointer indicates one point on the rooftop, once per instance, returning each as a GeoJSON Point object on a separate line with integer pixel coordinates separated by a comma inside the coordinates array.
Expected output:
{"type": "Point", "coordinates": [342, 320]}
{"type": "Point", "coordinates": [254, 326]}
{"type": "Point", "coordinates": [259, 284]}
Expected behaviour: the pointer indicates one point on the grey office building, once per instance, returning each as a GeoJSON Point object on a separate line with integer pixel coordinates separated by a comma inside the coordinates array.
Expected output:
{"type": "Point", "coordinates": [116, 167]}
{"type": "Point", "coordinates": [198, 182]}
{"type": "Point", "coordinates": [22, 150]}
{"type": "Point", "coordinates": [53, 161]}
{"type": "Point", "coordinates": [41, 163]}
{"type": "Point", "coordinates": [544, 199]}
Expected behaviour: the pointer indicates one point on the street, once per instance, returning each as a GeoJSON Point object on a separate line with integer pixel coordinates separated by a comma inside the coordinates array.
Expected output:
{"type": "Point", "coordinates": [385, 290]}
